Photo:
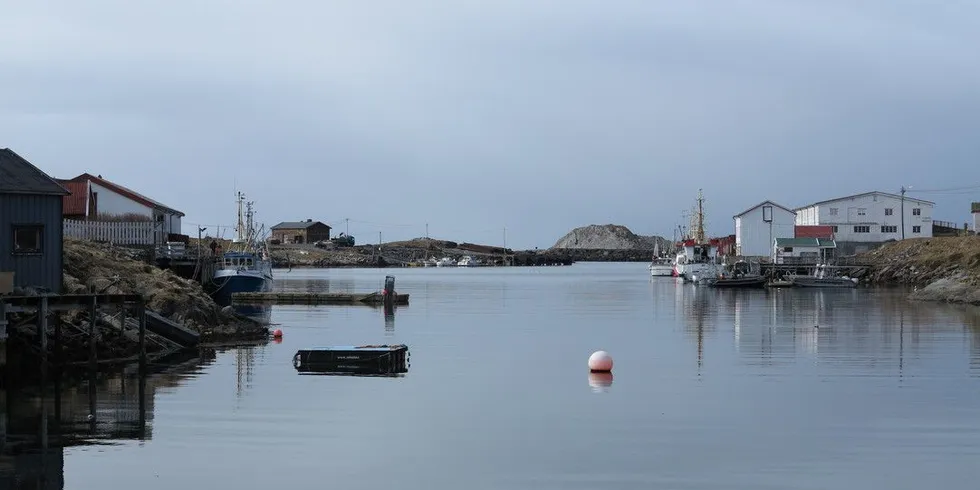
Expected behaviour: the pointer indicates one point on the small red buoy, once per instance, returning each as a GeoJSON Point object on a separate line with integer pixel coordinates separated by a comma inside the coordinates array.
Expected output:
{"type": "Point", "coordinates": [277, 333]}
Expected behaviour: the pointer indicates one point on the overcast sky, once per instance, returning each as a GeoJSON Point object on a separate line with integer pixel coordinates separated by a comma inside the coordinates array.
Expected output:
{"type": "Point", "coordinates": [537, 116]}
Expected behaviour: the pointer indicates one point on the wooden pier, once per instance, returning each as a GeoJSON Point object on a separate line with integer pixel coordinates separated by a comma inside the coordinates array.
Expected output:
{"type": "Point", "coordinates": [288, 298]}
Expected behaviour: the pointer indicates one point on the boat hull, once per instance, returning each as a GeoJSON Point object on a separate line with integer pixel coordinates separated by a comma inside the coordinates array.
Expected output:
{"type": "Point", "coordinates": [697, 272]}
{"type": "Point", "coordinates": [740, 282]}
{"type": "Point", "coordinates": [228, 282]}
{"type": "Point", "coordinates": [818, 282]}
{"type": "Point", "coordinates": [661, 270]}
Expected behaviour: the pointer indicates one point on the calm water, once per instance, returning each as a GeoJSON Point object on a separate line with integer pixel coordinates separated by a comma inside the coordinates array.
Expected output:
{"type": "Point", "coordinates": [711, 389]}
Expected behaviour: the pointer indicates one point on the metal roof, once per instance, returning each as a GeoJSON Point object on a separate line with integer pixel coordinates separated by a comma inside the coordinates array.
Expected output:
{"type": "Point", "coordinates": [18, 176]}
{"type": "Point", "coordinates": [806, 242]}
{"type": "Point", "coordinates": [127, 192]}
{"type": "Point", "coordinates": [763, 203]}
{"type": "Point", "coordinates": [297, 225]}
{"type": "Point", "coordinates": [894, 196]}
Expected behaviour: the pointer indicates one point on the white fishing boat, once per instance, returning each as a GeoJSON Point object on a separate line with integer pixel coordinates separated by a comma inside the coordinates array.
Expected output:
{"type": "Point", "coordinates": [697, 260]}
{"type": "Point", "coordinates": [445, 262]}
{"type": "Point", "coordinates": [467, 261]}
{"type": "Point", "coordinates": [661, 266]}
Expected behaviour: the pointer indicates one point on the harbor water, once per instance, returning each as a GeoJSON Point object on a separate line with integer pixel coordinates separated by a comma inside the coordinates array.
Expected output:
{"type": "Point", "coordinates": [711, 389]}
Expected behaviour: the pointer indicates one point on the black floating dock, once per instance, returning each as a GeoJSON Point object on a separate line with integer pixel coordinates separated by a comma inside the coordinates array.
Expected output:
{"type": "Point", "coordinates": [378, 360]}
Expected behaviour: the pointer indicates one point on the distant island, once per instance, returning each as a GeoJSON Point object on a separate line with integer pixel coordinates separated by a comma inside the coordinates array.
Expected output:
{"type": "Point", "coordinates": [592, 243]}
{"type": "Point", "coordinates": [610, 237]}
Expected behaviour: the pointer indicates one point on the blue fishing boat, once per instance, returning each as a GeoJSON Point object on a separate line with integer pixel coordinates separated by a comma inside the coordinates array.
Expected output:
{"type": "Point", "coordinates": [247, 268]}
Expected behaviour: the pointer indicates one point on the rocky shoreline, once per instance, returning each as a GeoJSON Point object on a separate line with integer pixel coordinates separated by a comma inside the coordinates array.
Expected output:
{"type": "Point", "coordinates": [943, 269]}
{"type": "Point", "coordinates": [118, 270]}
{"type": "Point", "coordinates": [398, 254]}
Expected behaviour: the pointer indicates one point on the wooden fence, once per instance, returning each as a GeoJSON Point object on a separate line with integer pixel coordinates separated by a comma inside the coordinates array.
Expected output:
{"type": "Point", "coordinates": [117, 232]}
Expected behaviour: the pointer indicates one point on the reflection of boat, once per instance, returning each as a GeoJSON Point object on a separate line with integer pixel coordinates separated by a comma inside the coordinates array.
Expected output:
{"type": "Point", "coordinates": [248, 269]}
{"type": "Point", "coordinates": [257, 312]}
{"type": "Point", "coordinates": [740, 275]}
{"type": "Point", "coordinates": [821, 279]}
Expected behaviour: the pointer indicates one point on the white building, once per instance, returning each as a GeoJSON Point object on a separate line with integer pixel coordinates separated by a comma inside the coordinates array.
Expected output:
{"type": "Point", "coordinates": [871, 217]}
{"type": "Point", "coordinates": [92, 196]}
{"type": "Point", "coordinates": [802, 250]}
{"type": "Point", "coordinates": [975, 210]}
{"type": "Point", "coordinates": [756, 227]}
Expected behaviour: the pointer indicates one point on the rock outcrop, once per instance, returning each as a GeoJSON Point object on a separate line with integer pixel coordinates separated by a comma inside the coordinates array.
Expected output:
{"type": "Point", "coordinates": [117, 270]}
{"type": "Point", "coordinates": [941, 269]}
{"type": "Point", "coordinates": [609, 237]}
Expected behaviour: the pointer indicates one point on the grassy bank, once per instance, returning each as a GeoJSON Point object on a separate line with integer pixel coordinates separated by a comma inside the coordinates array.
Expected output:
{"type": "Point", "coordinates": [941, 269]}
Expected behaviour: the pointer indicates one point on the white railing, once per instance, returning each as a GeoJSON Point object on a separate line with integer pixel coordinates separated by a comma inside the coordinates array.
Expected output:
{"type": "Point", "coordinates": [118, 232]}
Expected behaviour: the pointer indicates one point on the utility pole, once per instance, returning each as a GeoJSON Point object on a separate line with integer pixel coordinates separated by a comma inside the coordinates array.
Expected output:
{"type": "Point", "coordinates": [426, 231]}
{"type": "Point", "coordinates": [903, 212]}
{"type": "Point", "coordinates": [347, 226]}
{"type": "Point", "coordinates": [505, 247]}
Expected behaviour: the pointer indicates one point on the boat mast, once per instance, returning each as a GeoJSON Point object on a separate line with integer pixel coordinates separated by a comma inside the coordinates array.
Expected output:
{"type": "Point", "coordinates": [699, 216]}
{"type": "Point", "coordinates": [240, 227]}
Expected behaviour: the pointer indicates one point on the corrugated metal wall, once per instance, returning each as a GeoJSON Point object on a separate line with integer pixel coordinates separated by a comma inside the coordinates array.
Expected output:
{"type": "Point", "coordinates": [44, 270]}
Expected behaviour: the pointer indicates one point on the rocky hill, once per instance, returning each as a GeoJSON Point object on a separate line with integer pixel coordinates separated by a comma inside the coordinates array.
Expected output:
{"type": "Point", "coordinates": [609, 237]}
{"type": "Point", "coordinates": [941, 268]}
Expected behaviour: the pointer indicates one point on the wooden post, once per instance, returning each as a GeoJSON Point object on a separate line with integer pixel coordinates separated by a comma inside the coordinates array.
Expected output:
{"type": "Point", "coordinates": [142, 403]}
{"type": "Point", "coordinates": [141, 316]}
{"type": "Point", "coordinates": [93, 333]}
{"type": "Point", "coordinates": [42, 326]}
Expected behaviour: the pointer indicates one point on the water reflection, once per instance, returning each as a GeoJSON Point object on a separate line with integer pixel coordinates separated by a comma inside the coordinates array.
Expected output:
{"type": "Point", "coordinates": [600, 382]}
{"type": "Point", "coordinates": [38, 422]}
{"type": "Point", "coordinates": [259, 312]}
{"type": "Point", "coordinates": [847, 329]}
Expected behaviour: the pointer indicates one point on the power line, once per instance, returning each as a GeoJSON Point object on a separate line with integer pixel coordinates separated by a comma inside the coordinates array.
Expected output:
{"type": "Point", "coordinates": [951, 190]}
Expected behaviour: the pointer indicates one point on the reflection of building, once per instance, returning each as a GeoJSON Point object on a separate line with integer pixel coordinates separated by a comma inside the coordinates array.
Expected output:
{"type": "Point", "coordinates": [36, 424]}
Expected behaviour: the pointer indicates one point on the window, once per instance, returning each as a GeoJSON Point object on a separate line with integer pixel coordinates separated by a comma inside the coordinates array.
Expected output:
{"type": "Point", "coordinates": [888, 211]}
{"type": "Point", "coordinates": [788, 249]}
{"type": "Point", "coordinates": [862, 229]}
{"type": "Point", "coordinates": [28, 239]}
{"type": "Point", "coordinates": [835, 228]}
{"type": "Point", "coordinates": [862, 211]}
{"type": "Point", "coordinates": [916, 229]}
{"type": "Point", "coordinates": [833, 211]}
{"type": "Point", "coordinates": [889, 229]}
{"type": "Point", "coordinates": [916, 211]}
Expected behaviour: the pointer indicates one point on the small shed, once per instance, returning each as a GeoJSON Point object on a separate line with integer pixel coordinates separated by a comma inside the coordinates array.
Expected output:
{"type": "Point", "coordinates": [31, 229]}
{"type": "Point", "coordinates": [803, 250]}
{"type": "Point", "coordinates": [757, 226]}
{"type": "Point", "coordinates": [308, 231]}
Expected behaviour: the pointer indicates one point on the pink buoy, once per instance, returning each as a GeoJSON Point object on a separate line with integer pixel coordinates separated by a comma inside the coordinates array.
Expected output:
{"type": "Point", "coordinates": [277, 334]}
{"type": "Point", "coordinates": [600, 362]}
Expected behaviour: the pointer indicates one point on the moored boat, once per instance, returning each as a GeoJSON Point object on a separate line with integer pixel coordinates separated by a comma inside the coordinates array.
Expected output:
{"type": "Point", "coordinates": [247, 269]}
{"type": "Point", "coordinates": [821, 279]}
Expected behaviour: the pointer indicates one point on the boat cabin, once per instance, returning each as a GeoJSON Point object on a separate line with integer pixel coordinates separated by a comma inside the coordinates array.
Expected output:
{"type": "Point", "coordinates": [696, 253]}
{"type": "Point", "coordinates": [235, 260]}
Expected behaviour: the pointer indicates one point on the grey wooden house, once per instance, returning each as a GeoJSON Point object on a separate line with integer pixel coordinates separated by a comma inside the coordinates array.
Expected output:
{"type": "Point", "coordinates": [31, 226]}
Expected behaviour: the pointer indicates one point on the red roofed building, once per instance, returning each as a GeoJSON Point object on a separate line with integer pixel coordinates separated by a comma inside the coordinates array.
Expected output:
{"type": "Point", "coordinates": [92, 197]}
